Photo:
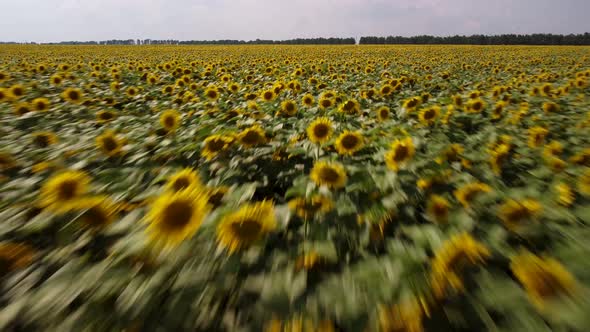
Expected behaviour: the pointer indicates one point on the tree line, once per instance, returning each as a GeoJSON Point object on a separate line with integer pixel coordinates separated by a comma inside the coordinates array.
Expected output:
{"type": "Point", "coordinates": [506, 39]}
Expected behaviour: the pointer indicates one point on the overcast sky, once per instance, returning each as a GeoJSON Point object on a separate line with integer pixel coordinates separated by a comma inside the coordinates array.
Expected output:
{"type": "Point", "coordinates": [59, 20]}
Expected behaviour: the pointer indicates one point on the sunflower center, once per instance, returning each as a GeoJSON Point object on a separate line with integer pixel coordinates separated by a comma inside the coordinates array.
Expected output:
{"type": "Point", "coordinates": [42, 140]}
{"type": "Point", "coordinates": [268, 95]}
{"type": "Point", "coordinates": [181, 183]}
{"type": "Point", "coordinates": [326, 103]}
{"type": "Point", "coordinates": [350, 142]}
{"type": "Point", "coordinates": [401, 152]}
{"type": "Point", "coordinates": [477, 106]}
{"type": "Point", "coordinates": [67, 189]}
{"type": "Point", "coordinates": [251, 137]}
{"type": "Point", "coordinates": [383, 113]}
{"type": "Point", "coordinates": [106, 116]}
{"type": "Point", "coordinates": [74, 95]}
{"type": "Point", "coordinates": [321, 130]}
{"type": "Point", "coordinates": [169, 121]}
{"type": "Point", "coordinates": [109, 143]}
{"type": "Point", "coordinates": [290, 107]}
{"type": "Point", "coordinates": [95, 216]}
{"type": "Point", "coordinates": [429, 114]}
{"type": "Point", "coordinates": [246, 230]}
{"type": "Point", "coordinates": [329, 175]}
{"type": "Point", "coordinates": [215, 145]}
{"type": "Point", "coordinates": [178, 214]}
{"type": "Point", "coordinates": [17, 92]}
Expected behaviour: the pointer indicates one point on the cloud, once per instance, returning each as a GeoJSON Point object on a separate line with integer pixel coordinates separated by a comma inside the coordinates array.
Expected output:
{"type": "Point", "coordinates": [56, 20]}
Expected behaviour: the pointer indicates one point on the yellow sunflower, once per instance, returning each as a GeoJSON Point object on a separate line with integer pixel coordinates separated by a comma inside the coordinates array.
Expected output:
{"type": "Point", "coordinates": [98, 211]}
{"type": "Point", "coordinates": [584, 183]}
{"type": "Point", "coordinates": [349, 142]}
{"type": "Point", "coordinates": [320, 130]}
{"type": "Point", "coordinates": [17, 90]}
{"type": "Point", "coordinates": [406, 316]}
{"type": "Point", "coordinates": [383, 113]}
{"type": "Point", "coordinates": [307, 208]}
{"type": "Point", "coordinates": [216, 195]}
{"type": "Point", "coordinates": [215, 144]}
{"type": "Point", "coordinates": [308, 100]}
{"type": "Point", "coordinates": [170, 120]}
{"type": "Point", "coordinates": [455, 254]}
{"type": "Point", "coordinates": [5, 95]}
{"type": "Point", "coordinates": [537, 136]}
{"type": "Point", "coordinates": [550, 107]}
{"type": "Point", "coordinates": [499, 155]}
{"type": "Point", "coordinates": [185, 179]}
{"type": "Point", "coordinates": [109, 144]}
{"type": "Point", "coordinates": [544, 279]}
{"type": "Point", "coordinates": [288, 108]}
{"type": "Point", "coordinates": [515, 214]}
{"type": "Point", "coordinates": [350, 107]}
{"type": "Point", "coordinates": [244, 227]}
{"type": "Point", "coordinates": [40, 104]}
{"type": "Point", "coordinates": [72, 95]}
{"type": "Point", "coordinates": [330, 174]}
{"type": "Point", "coordinates": [438, 209]}
{"type": "Point", "coordinates": [44, 139]}
{"type": "Point", "coordinates": [105, 116]}
{"type": "Point", "coordinates": [475, 105]}
{"type": "Point", "coordinates": [132, 91]}
{"type": "Point", "coordinates": [268, 95]}
{"type": "Point", "coordinates": [565, 194]}
{"type": "Point", "coordinates": [400, 153]}
{"type": "Point", "coordinates": [176, 216]}
{"type": "Point", "coordinates": [468, 192]}
{"type": "Point", "coordinates": [252, 136]}
{"type": "Point", "coordinates": [212, 92]}
{"type": "Point", "coordinates": [21, 109]}
{"type": "Point", "coordinates": [325, 103]}
{"type": "Point", "coordinates": [428, 116]}
{"type": "Point", "coordinates": [60, 193]}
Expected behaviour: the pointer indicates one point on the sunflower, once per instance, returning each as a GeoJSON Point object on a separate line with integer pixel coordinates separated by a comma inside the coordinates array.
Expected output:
{"type": "Point", "coordinates": [584, 183]}
{"type": "Point", "coordinates": [72, 95]}
{"type": "Point", "coordinates": [308, 100]}
{"type": "Point", "coordinates": [109, 143]}
{"type": "Point", "coordinates": [185, 179]}
{"type": "Point", "coordinates": [400, 153]}
{"type": "Point", "coordinates": [497, 110]}
{"type": "Point", "coordinates": [98, 211]}
{"type": "Point", "coordinates": [581, 158]}
{"type": "Point", "coordinates": [105, 116]}
{"type": "Point", "coordinates": [17, 90]}
{"type": "Point", "coordinates": [330, 174]}
{"type": "Point", "coordinates": [288, 108]}
{"type": "Point", "coordinates": [553, 149]}
{"type": "Point", "coordinates": [168, 89]}
{"type": "Point", "coordinates": [438, 209]}
{"type": "Point", "coordinates": [252, 136]}
{"type": "Point", "coordinates": [544, 279]}
{"type": "Point", "coordinates": [212, 92]}
{"type": "Point", "coordinates": [5, 95]}
{"type": "Point", "coordinates": [403, 317]}
{"type": "Point", "coordinates": [550, 107]}
{"type": "Point", "coordinates": [216, 195]}
{"type": "Point", "coordinates": [15, 256]}
{"type": "Point", "coordinates": [475, 105]}
{"type": "Point", "coordinates": [455, 254]}
{"type": "Point", "coordinates": [175, 216]}
{"type": "Point", "coordinates": [170, 120]}
{"type": "Point", "coordinates": [132, 91]}
{"type": "Point", "coordinates": [537, 136]}
{"type": "Point", "coordinates": [565, 194]}
{"type": "Point", "coordinates": [412, 103]}
{"type": "Point", "coordinates": [268, 95]}
{"type": "Point", "coordinates": [320, 130]}
{"type": "Point", "coordinates": [214, 144]}
{"type": "Point", "coordinates": [515, 214]}
{"type": "Point", "coordinates": [60, 193]}
{"type": "Point", "coordinates": [349, 142]}
{"type": "Point", "coordinates": [307, 208]}
{"type": "Point", "coordinates": [350, 107]}
{"type": "Point", "coordinates": [21, 109]}
{"type": "Point", "coordinates": [468, 192]}
{"type": "Point", "coordinates": [326, 103]}
{"type": "Point", "coordinates": [499, 156]}
{"type": "Point", "coordinates": [244, 227]}
{"type": "Point", "coordinates": [40, 104]}
{"type": "Point", "coordinates": [428, 116]}
{"type": "Point", "coordinates": [383, 113]}
{"type": "Point", "coordinates": [386, 89]}
{"type": "Point", "coordinates": [44, 139]}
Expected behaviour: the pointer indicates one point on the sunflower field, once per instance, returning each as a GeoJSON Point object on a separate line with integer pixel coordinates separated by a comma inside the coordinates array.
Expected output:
{"type": "Point", "coordinates": [294, 188]}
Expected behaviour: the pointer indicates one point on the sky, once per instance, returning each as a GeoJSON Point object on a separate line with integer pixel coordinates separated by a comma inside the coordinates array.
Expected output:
{"type": "Point", "coordinates": [82, 20]}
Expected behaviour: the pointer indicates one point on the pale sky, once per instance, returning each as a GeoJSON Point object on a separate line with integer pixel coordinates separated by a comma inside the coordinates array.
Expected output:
{"type": "Point", "coordinates": [59, 20]}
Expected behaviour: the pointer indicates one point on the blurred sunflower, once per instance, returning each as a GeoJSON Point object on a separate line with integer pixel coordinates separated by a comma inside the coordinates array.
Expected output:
{"type": "Point", "coordinates": [268, 95]}
{"type": "Point", "coordinates": [404, 317]}
{"type": "Point", "coordinates": [350, 107]}
{"type": "Point", "coordinates": [44, 139]}
{"type": "Point", "coordinates": [499, 156]}
{"type": "Point", "coordinates": [109, 144]}
{"type": "Point", "coordinates": [288, 108]}
{"type": "Point", "coordinates": [537, 136]}
{"type": "Point", "coordinates": [60, 193]}
{"type": "Point", "coordinates": [176, 216]}
{"type": "Point", "coordinates": [308, 100]}
{"type": "Point", "coordinates": [72, 95]}
{"type": "Point", "coordinates": [98, 211]}
{"type": "Point", "coordinates": [252, 136]}
{"type": "Point", "coordinates": [584, 183]}
{"type": "Point", "coordinates": [5, 95]}
{"type": "Point", "coordinates": [320, 130]}
{"type": "Point", "coordinates": [330, 174]}
{"type": "Point", "coordinates": [400, 153]}
{"type": "Point", "coordinates": [349, 142]}
{"type": "Point", "coordinates": [438, 209]}
{"type": "Point", "coordinates": [40, 104]}
{"type": "Point", "coordinates": [212, 92]}
{"type": "Point", "coordinates": [22, 108]}
{"type": "Point", "coordinates": [185, 179]}
{"type": "Point", "coordinates": [515, 214]}
{"type": "Point", "coordinates": [468, 192]}
{"type": "Point", "coordinates": [170, 120]}
{"type": "Point", "coordinates": [244, 227]}
{"type": "Point", "coordinates": [105, 116]}
{"type": "Point", "coordinates": [429, 115]}
{"type": "Point", "coordinates": [17, 90]}
{"type": "Point", "coordinates": [550, 107]}
{"type": "Point", "coordinates": [325, 103]}
{"type": "Point", "coordinates": [383, 113]}
{"type": "Point", "coordinates": [565, 194]}
{"type": "Point", "coordinates": [214, 144]}
{"type": "Point", "coordinates": [216, 195]}
{"type": "Point", "coordinates": [132, 91]}
{"type": "Point", "coordinates": [543, 279]}
{"type": "Point", "coordinates": [308, 208]}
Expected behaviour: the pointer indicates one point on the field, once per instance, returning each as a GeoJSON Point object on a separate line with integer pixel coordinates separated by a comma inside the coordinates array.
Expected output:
{"type": "Point", "coordinates": [294, 188]}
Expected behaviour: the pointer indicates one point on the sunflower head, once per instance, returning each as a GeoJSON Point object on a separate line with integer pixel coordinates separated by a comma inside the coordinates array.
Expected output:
{"type": "Point", "coordinates": [307, 208]}
{"type": "Point", "coordinates": [550, 107]}
{"type": "Point", "coordinates": [584, 183]}
{"type": "Point", "coordinates": [109, 144]}
{"type": "Point", "coordinates": [383, 113]}
{"type": "Point", "coordinates": [175, 216]}
{"type": "Point", "coordinates": [429, 115]}
{"type": "Point", "coordinates": [17, 90]}
{"type": "Point", "coordinates": [325, 103]}
{"type": "Point", "coordinates": [132, 91]}
{"type": "Point", "coordinates": [438, 209]}
{"type": "Point", "coordinates": [330, 174]}
{"type": "Point", "coordinates": [22, 108]}
{"type": "Point", "coordinates": [543, 279]}
{"type": "Point", "coordinates": [537, 136]}
{"type": "Point", "coordinates": [61, 191]}
{"type": "Point", "coordinates": [308, 100]}
{"type": "Point", "coordinates": [288, 108]}
{"type": "Point", "coordinates": [468, 192]}
{"type": "Point", "coordinates": [268, 95]}
{"type": "Point", "coordinates": [73, 95]}
{"type": "Point", "coordinates": [44, 139]}
{"type": "Point", "coordinates": [215, 144]}
{"type": "Point", "coordinates": [405, 316]}
{"type": "Point", "coordinates": [564, 194]}
{"type": "Point", "coordinates": [320, 130]}
{"type": "Point", "coordinates": [517, 213]}
{"type": "Point", "coordinates": [212, 93]}
{"type": "Point", "coordinates": [400, 153]}
{"type": "Point", "coordinates": [216, 196]}
{"type": "Point", "coordinates": [170, 120]}
{"type": "Point", "coordinates": [349, 142]}
{"type": "Point", "coordinates": [185, 179]}
{"type": "Point", "coordinates": [350, 107]}
{"type": "Point", "coordinates": [499, 156]}
{"type": "Point", "coordinates": [244, 227]}
{"type": "Point", "coordinates": [252, 136]}
{"type": "Point", "coordinates": [105, 116]}
{"type": "Point", "coordinates": [40, 104]}
{"type": "Point", "coordinates": [98, 211]}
